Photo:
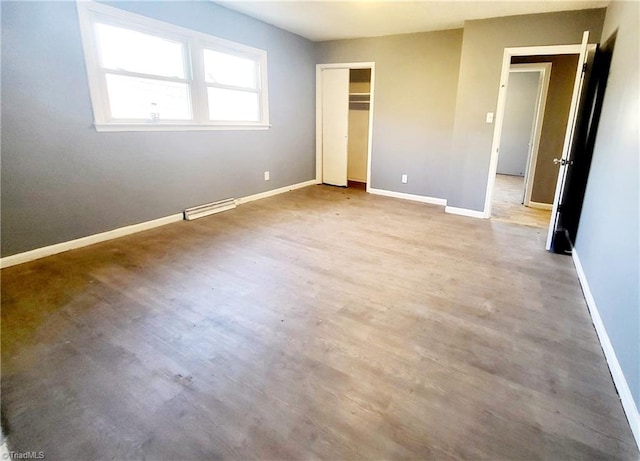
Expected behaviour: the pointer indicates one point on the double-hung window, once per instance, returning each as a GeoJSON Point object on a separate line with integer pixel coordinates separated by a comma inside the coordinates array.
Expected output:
{"type": "Point", "coordinates": [148, 75]}
{"type": "Point", "coordinates": [233, 91]}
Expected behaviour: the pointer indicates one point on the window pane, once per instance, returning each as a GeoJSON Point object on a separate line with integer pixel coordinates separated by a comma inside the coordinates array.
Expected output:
{"type": "Point", "coordinates": [226, 69]}
{"type": "Point", "coordinates": [230, 105]}
{"type": "Point", "coordinates": [138, 98]}
{"type": "Point", "coordinates": [126, 49]}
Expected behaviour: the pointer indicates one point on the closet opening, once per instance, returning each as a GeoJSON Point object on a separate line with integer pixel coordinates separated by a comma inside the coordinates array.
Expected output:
{"type": "Point", "coordinates": [358, 132]}
{"type": "Point", "coordinates": [344, 119]}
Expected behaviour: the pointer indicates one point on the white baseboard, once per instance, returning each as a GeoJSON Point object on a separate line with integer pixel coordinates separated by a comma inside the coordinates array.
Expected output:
{"type": "Point", "coordinates": [629, 405]}
{"type": "Point", "coordinates": [270, 193]}
{"type": "Point", "coordinates": [413, 197]}
{"type": "Point", "coordinates": [86, 241]}
{"type": "Point", "coordinates": [464, 212]}
{"type": "Point", "coordinates": [540, 205]}
{"type": "Point", "coordinates": [51, 250]}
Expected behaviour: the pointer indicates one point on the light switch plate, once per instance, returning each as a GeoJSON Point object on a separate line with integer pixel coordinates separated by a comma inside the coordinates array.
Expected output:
{"type": "Point", "coordinates": [489, 117]}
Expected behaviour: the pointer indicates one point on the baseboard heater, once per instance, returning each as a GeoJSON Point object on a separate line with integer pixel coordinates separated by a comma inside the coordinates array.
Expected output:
{"type": "Point", "coordinates": [209, 208]}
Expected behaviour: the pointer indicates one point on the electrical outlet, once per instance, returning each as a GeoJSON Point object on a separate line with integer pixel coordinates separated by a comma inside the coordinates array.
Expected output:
{"type": "Point", "coordinates": [266, 175]}
{"type": "Point", "coordinates": [489, 118]}
{"type": "Point", "coordinates": [404, 179]}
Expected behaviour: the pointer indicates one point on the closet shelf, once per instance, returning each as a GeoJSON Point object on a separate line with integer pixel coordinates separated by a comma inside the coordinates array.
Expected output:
{"type": "Point", "coordinates": [359, 98]}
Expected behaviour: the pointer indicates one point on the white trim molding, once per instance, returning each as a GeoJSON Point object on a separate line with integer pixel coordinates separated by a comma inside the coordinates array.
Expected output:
{"type": "Point", "coordinates": [271, 193]}
{"type": "Point", "coordinates": [626, 398]}
{"type": "Point", "coordinates": [111, 127]}
{"type": "Point", "coordinates": [86, 241]}
{"type": "Point", "coordinates": [51, 250]}
{"type": "Point", "coordinates": [465, 212]}
{"type": "Point", "coordinates": [405, 196]}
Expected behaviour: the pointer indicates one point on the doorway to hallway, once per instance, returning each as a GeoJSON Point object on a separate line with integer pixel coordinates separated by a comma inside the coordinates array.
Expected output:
{"type": "Point", "coordinates": [507, 204]}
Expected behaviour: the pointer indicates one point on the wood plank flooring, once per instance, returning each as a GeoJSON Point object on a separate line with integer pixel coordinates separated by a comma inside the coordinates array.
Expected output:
{"type": "Point", "coordinates": [323, 323]}
{"type": "Point", "coordinates": [507, 204]}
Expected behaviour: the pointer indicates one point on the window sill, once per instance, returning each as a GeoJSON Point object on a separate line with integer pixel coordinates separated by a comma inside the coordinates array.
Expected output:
{"type": "Point", "coordinates": [109, 127]}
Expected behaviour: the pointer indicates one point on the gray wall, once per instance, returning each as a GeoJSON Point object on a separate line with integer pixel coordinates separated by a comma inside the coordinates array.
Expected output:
{"type": "Point", "coordinates": [517, 129]}
{"type": "Point", "coordinates": [608, 240]}
{"type": "Point", "coordinates": [554, 124]}
{"type": "Point", "coordinates": [480, 66]}
{"type": "Point", "coordinates": [62, 180]}
{"type": "Point", "coordinates": [415, 90]}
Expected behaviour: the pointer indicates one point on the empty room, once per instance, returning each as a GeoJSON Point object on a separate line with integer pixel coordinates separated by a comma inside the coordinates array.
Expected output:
{"type": "Point", "coordinates": [294, 230]}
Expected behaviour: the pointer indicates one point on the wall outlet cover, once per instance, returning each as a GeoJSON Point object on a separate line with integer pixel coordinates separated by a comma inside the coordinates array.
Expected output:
{"type": "Point", "coordinates": [266, 175]}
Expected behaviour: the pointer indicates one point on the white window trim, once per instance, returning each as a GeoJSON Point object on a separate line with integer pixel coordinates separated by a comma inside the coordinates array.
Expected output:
{"type": "Point", "coordinates": [195, 42]}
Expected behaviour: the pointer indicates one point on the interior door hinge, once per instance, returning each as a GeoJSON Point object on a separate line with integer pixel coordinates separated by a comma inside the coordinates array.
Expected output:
{"type": "Point", "coordinates": [584, 67]}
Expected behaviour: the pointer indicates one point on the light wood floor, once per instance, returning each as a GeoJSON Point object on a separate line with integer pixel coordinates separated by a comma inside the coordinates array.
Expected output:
{"type": "Point", "coordinates": [324, 323]}
{"type": "Point", "coordinates": [507, 204]}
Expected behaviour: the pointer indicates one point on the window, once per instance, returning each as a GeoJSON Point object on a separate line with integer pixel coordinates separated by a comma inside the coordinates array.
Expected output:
{"type": "Point", "coordinates": [148, 75]}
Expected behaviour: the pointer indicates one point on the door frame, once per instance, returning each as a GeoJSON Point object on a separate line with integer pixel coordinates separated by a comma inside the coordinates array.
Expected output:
{"type": "Point", "coordinates": [544, 69]}
{"type": "Point", "coordinates": [345, 65]}
{"type": "Point", "coordinates": [502, 97]}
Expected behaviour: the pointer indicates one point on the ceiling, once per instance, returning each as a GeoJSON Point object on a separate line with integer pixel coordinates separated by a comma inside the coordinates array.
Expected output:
{"type": "Point", "coordinates": [332, 20]}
